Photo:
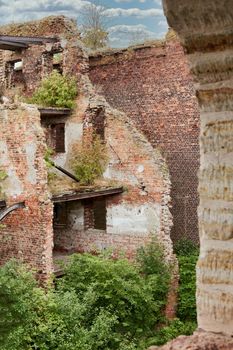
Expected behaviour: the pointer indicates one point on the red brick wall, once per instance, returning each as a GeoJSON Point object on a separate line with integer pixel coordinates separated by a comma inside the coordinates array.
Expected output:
{"type": "Point", "coordinates": [154, 87]}
{"type": "Point", "coordinates": [27, 233]}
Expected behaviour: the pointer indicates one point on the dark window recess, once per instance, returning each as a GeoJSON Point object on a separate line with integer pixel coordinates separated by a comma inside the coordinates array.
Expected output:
{"type": "Point", "coordinates": [99, 211]}
{"type": "Point", "coordinates": [98, 123]}
{"type": "Point", "coordinates": [58, 137]}
{"type": "Point", "coordinates": [57, 62]}
{"type": "Point", "coordinates": [58, 68]}
{"type": "Point", "coordinates": [60, 218]}
{"type": "Point", "coordinates": [14, 74]}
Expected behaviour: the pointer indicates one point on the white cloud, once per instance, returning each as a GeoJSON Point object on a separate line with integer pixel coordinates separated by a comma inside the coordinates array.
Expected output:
{"type": "Point", "coordinates": [20, 10]}
{"type": "Point", "coordinates": [123, 1]}
{"type": "Point", "coordinates": [158, 2]}
{"type": "Point", "coordinates": [115, 12]}
{"type": "Point", "coordinates": [124, 35]}
{"type": "Point", "coordinates": [163, 23]}
{"type": "Point", "coordinates": [25, 10]}
{"type": "Point", "coordinates": [123, 28]}
{"type": "Point", "coordinates": [141, 1]}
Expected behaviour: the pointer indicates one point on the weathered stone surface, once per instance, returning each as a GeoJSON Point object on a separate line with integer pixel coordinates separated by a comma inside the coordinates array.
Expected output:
{"type": "Point", "coordinates": [205, 29]}
{"type": "Point", "coordinates": [198, 341]}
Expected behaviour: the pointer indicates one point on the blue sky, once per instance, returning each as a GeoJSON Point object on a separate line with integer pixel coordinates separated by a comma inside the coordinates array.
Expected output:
{"type": "Point", "coordinates": [127, 20]}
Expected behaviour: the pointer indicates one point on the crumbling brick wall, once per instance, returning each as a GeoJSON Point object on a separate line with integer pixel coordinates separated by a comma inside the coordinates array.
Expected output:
{"type": "Point", "coordinates": [133, 163]}
{"type": "Point", "coordinates": [52, 26]}
{"type": "Point", "coordinates": [141, 168]}
{"type": "Point", "coordinates": [26, 234]}
{"type": "Point", "coordinates": [154, 87]}
{"type": "Point", "coordinates": [38, 58]}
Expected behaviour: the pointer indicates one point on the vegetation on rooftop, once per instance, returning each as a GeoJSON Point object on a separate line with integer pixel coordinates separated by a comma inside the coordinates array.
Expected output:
{"type": "Point", "coordinates": [3, 176]}
{"type": "Point", "coordinates": [56, 91]}
{"type": "Point", "coordinates": [90, 160]}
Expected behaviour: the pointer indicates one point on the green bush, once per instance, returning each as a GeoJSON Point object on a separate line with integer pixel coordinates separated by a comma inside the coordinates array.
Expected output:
{"type": "Point", "coordinates": [56, 91]}
{"type": "Point", "coordinates": [172, 330]}
{"type": "Point", "coordinates": [185, 324]}
{"type": "Point", "coordinates": [187, 288]}
{"type": "Point", "coordinates": [90, 161]}
{"type": "Point", "coordinates": [119, 288]}
{"type": "Point", "coordinates": [32, 318]}
{"type": "Point", "coordinates": [100, 304]}
{"type": "Point", "coordinates": [152, 265]}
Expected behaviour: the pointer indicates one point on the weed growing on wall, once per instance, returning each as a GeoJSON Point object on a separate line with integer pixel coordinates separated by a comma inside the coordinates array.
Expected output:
{"type": "Point", "coordinates": [56, 91]}
{"type": "Point", "coordinates": [89, 161]}
{"type": "Point", "coordinates": [3, 176]}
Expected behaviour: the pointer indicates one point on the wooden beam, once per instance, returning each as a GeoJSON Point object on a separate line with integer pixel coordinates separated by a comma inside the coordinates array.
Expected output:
{"type": "Point", "coordinates": [2, 204]}
{"type": "Point", "coordinates": [28, 39]}
{"type": "Point", "coordinates": [53, 112]}
{"type": "Point", "coordinates": [12, 46]}
{"type": "Point", "coordinates": [85, 195]}
{"type": "Point", "coordinates": [7, 211]}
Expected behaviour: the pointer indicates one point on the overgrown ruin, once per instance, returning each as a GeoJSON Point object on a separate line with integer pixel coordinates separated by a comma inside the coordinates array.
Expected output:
{"type": "Point", "coordinates": [122, 211]}
{"type": "Point", "coordinates": [136, 182]}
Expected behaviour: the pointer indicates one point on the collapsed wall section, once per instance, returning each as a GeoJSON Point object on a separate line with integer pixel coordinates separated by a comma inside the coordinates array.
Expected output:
{"type": "Point", "coordinates": [153, 86]}
{"type": "Point", "coordinates": [26, 234]}
{"type": "Point", "coordinates": [59, 48]}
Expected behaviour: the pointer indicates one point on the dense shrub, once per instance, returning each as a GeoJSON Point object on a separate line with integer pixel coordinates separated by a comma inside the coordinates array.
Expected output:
{"type": "Point", "coordinates": [32, 318]}
{"type": "Point", "coordinates": [151, 264]}
{"type": "Point", "coordinates": [187, 288]}
{"type": "Point", "coordinates": [172, 330]}
{"type": "Point", "coordinates": [89, 161]}
{"type": "Point", "coordinates": [100, 304]}
{"type": "Point", "coordinates": [56, 91]}
{"type": "Point", "coordinates": [120, 288]}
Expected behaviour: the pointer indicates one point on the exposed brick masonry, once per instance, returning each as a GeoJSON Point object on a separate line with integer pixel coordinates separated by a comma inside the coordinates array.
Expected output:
{"type": "Point", "coordinates": [154, 87]}
{"type": "Point", "coordinates": [27, 233]}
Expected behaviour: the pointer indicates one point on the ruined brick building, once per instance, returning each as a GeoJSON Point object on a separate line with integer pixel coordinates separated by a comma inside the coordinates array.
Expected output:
{"type": "Point", "coordinates": [152, 84]}
{"type": "Point", "coordinates": [55, 215]}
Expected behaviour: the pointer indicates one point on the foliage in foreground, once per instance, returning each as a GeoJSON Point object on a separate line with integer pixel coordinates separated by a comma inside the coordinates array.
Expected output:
{"type": "Point", "coordinates": [186, 322]}
{"type": "Point", "coordinates": [101, 304]}
{"type": "Point", "coordinates": [56, 91]}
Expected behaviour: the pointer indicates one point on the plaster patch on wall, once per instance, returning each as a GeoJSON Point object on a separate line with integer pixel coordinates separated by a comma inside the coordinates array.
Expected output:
{"type": "Point", "coordinates": [140, 169]}
{"type": "Point", "coordinates": [73, 134]}
{"type": "Point", "coordinates": [76, 216]}
{"type": "Point", "coordinates": [133, 219]}
{"type": "Point", "coordinates": [120, 175]}
{"type": "Point", "coordinates": [31, 154]}
{"type": "Point", "coordinates": [12, 185]}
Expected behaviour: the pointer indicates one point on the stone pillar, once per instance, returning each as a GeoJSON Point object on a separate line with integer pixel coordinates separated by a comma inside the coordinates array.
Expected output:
{"type": "Point", "coordinates": [206, 31]}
